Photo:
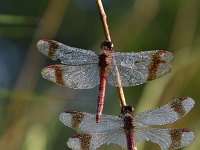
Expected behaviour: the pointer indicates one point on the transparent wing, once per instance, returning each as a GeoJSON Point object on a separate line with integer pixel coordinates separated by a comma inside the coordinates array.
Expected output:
{"type": "Point", "coordinates": [91, 141]}
{"type": "Point", "coordinates": [85, 122]}
{"type": "Point", "coordinates": [138, 68]}
{"type": "Point", "coordinates": [168, 113]}
{"type": "Point", "coordinates": [165, 138]}
{"type": "Point", "coordinates": [67, 55]}
{"type": "Point", "coordinates": [77, 77]}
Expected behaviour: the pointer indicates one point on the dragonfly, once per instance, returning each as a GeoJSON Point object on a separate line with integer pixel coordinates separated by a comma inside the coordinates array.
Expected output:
{"type": "Point", "coordinates": [127, 128]}
{"type": "Point", "coordinates": [84, 69]}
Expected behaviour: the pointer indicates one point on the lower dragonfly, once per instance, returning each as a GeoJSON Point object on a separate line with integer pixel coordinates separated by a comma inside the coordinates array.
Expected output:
{"type": "Point", "coordinates": [84, 69]}
{"type": "Point", "coordinates": [127, 129]}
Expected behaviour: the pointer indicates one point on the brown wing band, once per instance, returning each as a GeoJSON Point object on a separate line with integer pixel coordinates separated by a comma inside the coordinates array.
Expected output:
{"type": "Point", "coordinates": [58, 74]}
{"type": "Point", "coordinates": [77, 117]}
{"type": "Point", "coordinates": [153, 66]}
{"type": "Point", "coordinates": [52, 48]}
{"type": "Point", "coordinates": [85, 140]}
{"type": "Point", "coordinates": [178, 107]}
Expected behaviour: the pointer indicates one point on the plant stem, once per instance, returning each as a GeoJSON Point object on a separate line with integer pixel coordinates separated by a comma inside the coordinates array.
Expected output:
{"type": "Point", "coordinates": [104, 20]}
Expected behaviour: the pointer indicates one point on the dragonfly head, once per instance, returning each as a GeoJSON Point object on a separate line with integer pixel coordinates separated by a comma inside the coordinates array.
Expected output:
{"type": "Point", "coordinates": [107, 45]}
{"type": "Point", "coordinates": [126, 110]}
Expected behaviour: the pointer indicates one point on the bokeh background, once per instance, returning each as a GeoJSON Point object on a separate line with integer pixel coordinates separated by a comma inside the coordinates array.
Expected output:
{"type": "Point", "coordinates": [30, 105]}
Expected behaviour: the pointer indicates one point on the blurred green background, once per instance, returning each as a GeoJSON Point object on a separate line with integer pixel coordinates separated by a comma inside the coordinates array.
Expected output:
{"type": "Point", "coordinates": [30, 105]}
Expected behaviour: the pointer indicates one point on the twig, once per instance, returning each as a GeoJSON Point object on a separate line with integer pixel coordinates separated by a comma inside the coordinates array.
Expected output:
{"type": "Point", "coordinates": [104, 20]}
{"type": "Point", "coordinates": [119, 87]}
{"type": "Point", "coordinates": [107, 35]}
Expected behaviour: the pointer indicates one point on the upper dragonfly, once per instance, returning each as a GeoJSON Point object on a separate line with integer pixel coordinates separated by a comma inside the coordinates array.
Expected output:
{"type": "Point", "coordinates": [84, 69]}
{"type": "Point", "coordinates": [127, 129]}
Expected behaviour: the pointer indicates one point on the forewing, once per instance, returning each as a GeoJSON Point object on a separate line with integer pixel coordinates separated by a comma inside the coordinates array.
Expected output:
{"type": "Point", "coordinates": [77, 77]}
{"type": "Point", "coordinates": [91, 141]}
{"type": "Point", "coordinates": [168, 113]}
{"type": "Point", "coordinates": [85, 122]}
{"type": "Point", "coordinates": [166, 138]}
{"type": "Point", "coordinates": [67, 55]}
{"type": "Point", "coordinates": [138, 68]}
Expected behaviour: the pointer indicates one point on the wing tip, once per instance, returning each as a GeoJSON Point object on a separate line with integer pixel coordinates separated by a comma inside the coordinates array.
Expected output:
{"type": "Point", "coordinates": [54, 73]}
{"type": "Point", "coordinates": [73, 143]}
{"type": "Point", "coordinates": [61, 117]}
{"type": "Point", "coordinates": [167, 55]}
{"type": "Point", "coordinates": [43, 47]}
{"type": "Point", "coordinates": [39, 44]}
{"type": "Point", "coordinates": [168, 70]}
{"type": "Point", "coordinates": [65, 118]}
{"type": "Point", "coordinates": [46, 71]}
{"type": "Point", "coordinates": [48, 47]}
{"type": "Point", "coordinates": [187, 101]}
{"type": "Point", "coordinates": [187, 137]}
{"type": "Point", "coordinates": [182, 105]}
{"type": "Point", "coordinates": [180, 137]}
{"type": "Point", "coordinates": [42, 42]}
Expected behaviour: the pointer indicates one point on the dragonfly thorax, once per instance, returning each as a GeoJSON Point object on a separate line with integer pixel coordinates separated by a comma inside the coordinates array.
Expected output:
{"type": "Point", "coordinates": [128, 121]}
{"type": "Point", "coordinates": [127, 115]}
{"type": "Point", "coordinates": [103, 60]}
